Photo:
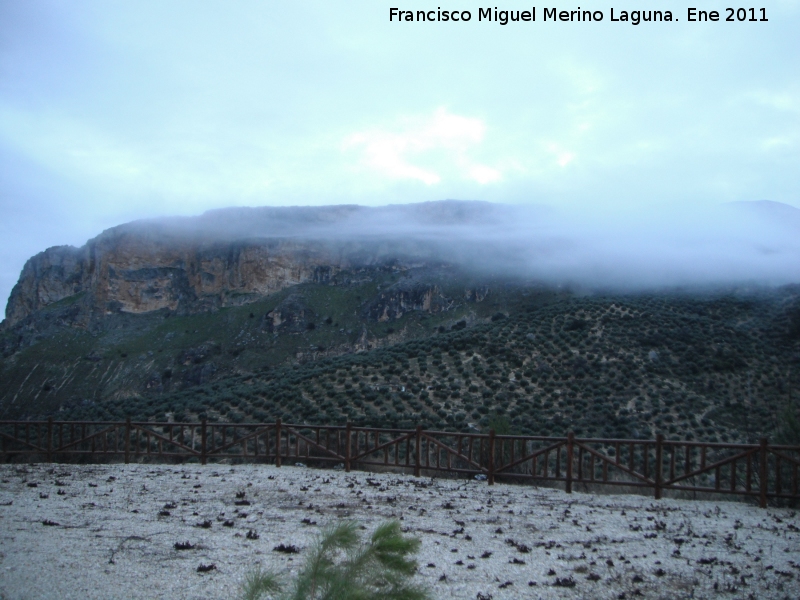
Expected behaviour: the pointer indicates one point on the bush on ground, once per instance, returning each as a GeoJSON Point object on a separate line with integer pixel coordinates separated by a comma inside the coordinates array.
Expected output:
{"type": "Point", "coordinates": [343, 567]}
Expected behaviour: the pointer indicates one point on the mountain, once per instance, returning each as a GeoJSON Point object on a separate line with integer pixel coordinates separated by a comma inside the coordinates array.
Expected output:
{"type": "Point", "coordinates": [235, 256]}
{"type": "Point", "coordinates": [228, 257]}
{"type": "Point", "coordinates": [444, 313]}
{"type": "Point", "coordinates": [768, 211]}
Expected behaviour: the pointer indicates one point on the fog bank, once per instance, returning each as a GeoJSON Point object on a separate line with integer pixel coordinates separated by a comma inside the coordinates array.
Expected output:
{"type": "Point", "coordinates": [737, 243]}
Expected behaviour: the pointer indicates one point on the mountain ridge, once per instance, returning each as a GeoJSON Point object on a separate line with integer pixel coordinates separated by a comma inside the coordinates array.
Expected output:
{"type": "Point", "coordinates": [237, 255]}
{"type": "Point", "coordinates": [148, 319]}
{"type": "Point", "coordinates": [222, 257]}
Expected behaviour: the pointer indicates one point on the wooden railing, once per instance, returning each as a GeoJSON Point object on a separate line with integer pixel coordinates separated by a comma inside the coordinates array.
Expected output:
{"type": "Point", "coordinates": [761, 471]}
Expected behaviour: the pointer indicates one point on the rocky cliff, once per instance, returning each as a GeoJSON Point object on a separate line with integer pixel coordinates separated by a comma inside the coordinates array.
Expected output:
{"type": "Point", "coordinates": [226, 258]}
{"type": "Point", "coordinates": [155, 307]}
{"type": "Point", "coordinates": [236, 256]}
{"type": "Point", "coordinates": [125, 273]}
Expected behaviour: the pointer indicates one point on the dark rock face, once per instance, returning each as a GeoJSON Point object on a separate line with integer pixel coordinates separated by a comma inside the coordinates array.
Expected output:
{"type": "Point", "coordinates": [406, 296]}
{"type": "Point", "coordinates": [476, 294]}
{"type": "Point", "coordinates": [236, 256]}
{"type": "Point", "coordinates": [199, 374]}
{"type": "Point", "coordinates": [291, 315]}
{"type": "Point", "coordinates": [199, 354]}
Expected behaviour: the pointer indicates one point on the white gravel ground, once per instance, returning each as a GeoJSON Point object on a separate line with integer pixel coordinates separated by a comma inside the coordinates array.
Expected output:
{"type": "Point", "coordinates": [106, 538]}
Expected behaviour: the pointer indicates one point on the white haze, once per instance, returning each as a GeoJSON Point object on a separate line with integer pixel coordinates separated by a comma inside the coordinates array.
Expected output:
{"type": "Point", "coordinates": [745, 243]}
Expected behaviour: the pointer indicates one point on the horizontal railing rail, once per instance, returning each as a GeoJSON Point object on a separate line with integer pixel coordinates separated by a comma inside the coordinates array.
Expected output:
{"type": "Point", "coordinates": [763, 471]}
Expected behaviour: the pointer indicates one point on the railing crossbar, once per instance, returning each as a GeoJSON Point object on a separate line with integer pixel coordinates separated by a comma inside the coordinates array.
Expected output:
{"type": "Point", "coordinates": [447, 448]}
{"type": "Point", "coordinates": [21, 441]}
{"type": "Point", "coordinates": [238, 441]}
{"type": "Point", "coordinates": [161, 437]}
{"type": "Point", "coordinates": [309, 442]}
{"type": "Point", "coordinates": [534, 455]}
{"type": "Point", "coordinates": [86, 438]}
{"type": "Point", "coordinates": [720, 463]}
{"type": "Point", "coordinates": [783, 456]}
{"type": "Point", "coordinates": [369, 450]}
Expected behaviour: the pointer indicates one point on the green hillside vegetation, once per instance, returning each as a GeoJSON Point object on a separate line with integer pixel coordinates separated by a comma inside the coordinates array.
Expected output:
{"type": "Point", "coordinates": [53, 364]}
{"type": "Point", "coordinates": [713, 368]}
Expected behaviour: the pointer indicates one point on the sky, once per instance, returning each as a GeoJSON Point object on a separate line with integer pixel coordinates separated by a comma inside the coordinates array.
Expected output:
{"type": "Point", "coordinates": [112, 111]}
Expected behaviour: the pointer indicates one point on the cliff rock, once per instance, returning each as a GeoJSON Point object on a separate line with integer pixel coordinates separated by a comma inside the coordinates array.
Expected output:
{"type": "Point", "coordinates": [406, 296]}
{"type": "Point", "coordinates": [232, 257]}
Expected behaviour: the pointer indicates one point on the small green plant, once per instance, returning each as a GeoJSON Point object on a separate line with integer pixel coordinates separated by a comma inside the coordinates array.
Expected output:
{"type": "Point", "coordinates": [259, 583]}
{"type": "Point", "coordinates": [343, 567]}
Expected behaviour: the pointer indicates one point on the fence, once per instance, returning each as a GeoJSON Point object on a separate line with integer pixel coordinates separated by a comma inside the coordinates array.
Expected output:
{"type": "Point", "coordinates": [762, 471]}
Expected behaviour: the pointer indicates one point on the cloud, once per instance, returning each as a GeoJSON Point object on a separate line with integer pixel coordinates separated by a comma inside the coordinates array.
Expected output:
{"type": "Point", "coordinates": [484, 174]}
{"type": "Point", "coordinates": [745, 243]}
{"type": "Point", "coordinates": [780, 101]}
{"type": "Point", "coordinates": [563, 157]}
{"type": "Point", "coordinates": [425, 149]}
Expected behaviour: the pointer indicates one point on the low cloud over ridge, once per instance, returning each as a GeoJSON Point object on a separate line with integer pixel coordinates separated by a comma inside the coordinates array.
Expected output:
{"type": "Point", "coordinates": [738, 243]}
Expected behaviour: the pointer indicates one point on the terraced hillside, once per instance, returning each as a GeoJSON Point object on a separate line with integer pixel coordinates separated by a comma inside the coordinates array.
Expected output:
{"type": "Point", "coordinates": [421, 313]}
{"type": "Point", "coordinates": [53, 362]}
{"type": "Point", "coordinates": [720, 367]}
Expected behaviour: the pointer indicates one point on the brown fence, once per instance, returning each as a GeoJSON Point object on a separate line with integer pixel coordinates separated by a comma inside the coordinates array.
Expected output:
{"type": "Point", "coordinates": [760, 471]}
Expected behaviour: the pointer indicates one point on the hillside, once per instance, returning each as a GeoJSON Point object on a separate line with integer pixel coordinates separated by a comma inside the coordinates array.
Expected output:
{"type": "Point", "coordinates": [52, 363]}
{"type": "Point", "coordinates": [237, 256]}
{"type": "Point", "coordinates": [320, 315]}
{"type": "Point", "coordinates": [531, 361]}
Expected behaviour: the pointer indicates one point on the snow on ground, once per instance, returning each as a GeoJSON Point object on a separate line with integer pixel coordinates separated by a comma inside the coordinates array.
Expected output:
{"type": "Point", "coordinates": [109, 531]}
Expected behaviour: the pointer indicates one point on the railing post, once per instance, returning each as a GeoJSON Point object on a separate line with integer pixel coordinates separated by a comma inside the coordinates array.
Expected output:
{"type": "Point", "coordinates": [418, 451]}
{"type": "Point", "coordinates": [277, 442]}
{"type": "Point", "coordinates": [347, 450]}
{"type": "Point", "coordinates": [127, 440]}
{"type": "Point", "coordinates": [659, 454]}
{"type": "Point", "coordinates": [203, 445]}
{"type": "Point", "coordinates": [570, 441]}
{"type": "Point", "coordinates": [50, 439]}
{"type": "Point", "coordinates": [490, 474]}
{"type": "Point", "coordinates": [763, 474]}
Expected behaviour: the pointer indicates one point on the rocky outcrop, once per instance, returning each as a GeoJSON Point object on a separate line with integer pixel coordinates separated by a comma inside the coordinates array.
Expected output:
{"type": "Point", "coordinates": [476, 293]}
{"type": "Point", "coordinates": [235, 256]}
{"type": "Point", "coordinates": [47, 278]}
{"type": "Point", "coordinates": [132, 272]}
{"type": "Point", "coordinates": [406, 296]}
{"type": "Point", "coordinates": [291, 315]}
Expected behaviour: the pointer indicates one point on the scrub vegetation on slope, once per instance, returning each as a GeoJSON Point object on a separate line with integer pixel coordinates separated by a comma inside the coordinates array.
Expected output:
{"type": "Point", "coordinates": [714, 368]}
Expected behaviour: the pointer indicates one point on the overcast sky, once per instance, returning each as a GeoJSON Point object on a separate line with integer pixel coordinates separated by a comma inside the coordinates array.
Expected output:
{"type": "Point", "coordinates": [112, 111]}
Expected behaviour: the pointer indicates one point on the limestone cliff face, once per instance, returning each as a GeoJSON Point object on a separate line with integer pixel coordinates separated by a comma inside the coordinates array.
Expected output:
{"type": "Point", "coordinates": [123, 271]}
{"type": "Point", "coordinates": [136, 277]}
{"type": "Point", "coordinates": [234, 256]}
{"type": "Point", "coordinates": [47, 278]}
